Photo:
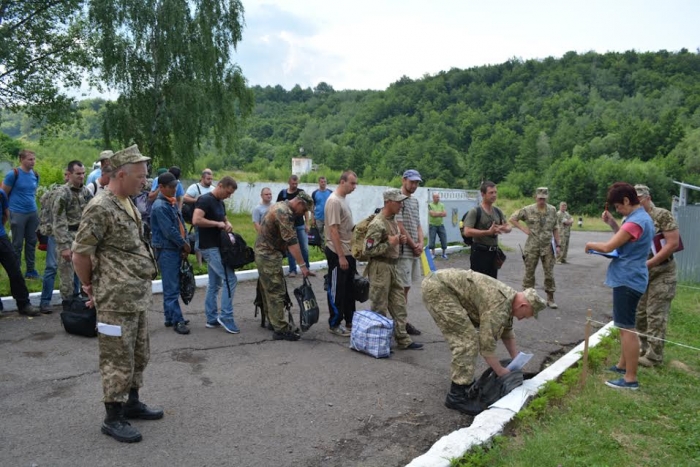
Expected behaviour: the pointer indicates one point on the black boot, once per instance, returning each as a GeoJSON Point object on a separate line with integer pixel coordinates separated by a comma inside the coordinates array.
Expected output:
{"type": "Point", "coordinates": [118, 428]}
{"type": "Point", "coordinates": [137, 409]}
{"type": "Point", "coordinates": [462, 398]}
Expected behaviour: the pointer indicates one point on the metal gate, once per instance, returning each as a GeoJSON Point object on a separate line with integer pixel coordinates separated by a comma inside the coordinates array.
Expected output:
{"type": "Point", "coordinates": [688, 260]}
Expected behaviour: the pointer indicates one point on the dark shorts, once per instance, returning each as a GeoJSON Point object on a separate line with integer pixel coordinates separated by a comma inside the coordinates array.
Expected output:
{"type": "Point", "coordinates": [625, 302]}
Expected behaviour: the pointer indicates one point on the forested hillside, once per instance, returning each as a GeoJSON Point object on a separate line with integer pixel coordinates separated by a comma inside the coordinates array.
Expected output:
{"type": "Point", "coordinates": [575, 124]}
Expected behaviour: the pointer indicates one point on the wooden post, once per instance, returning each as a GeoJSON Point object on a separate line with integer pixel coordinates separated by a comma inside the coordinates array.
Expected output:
{"type": "Point", "coordinates": [584, 370]}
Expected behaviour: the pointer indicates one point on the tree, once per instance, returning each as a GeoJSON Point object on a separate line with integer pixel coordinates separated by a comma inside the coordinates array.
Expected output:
{"type": "Point", "coordinates": [172, 62]}
{"type": "Point", "coordinates": [41, 48]}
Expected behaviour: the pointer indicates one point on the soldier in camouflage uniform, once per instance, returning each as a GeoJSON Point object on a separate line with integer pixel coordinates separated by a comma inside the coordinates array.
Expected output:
{"type": "Point", "coordinates": [68, 207]}
{"type": "Point", "coordinates": [655, 304]}
{"type": "Point", "coordinates": [277, 236]}
{"type": "Point", "coordinates": [382, 247]}
{"type": "Point", "coordinates": [473, 311]}
{"type": "Point", "coordinates": [565, 221]}
{"type": "Point", "coordinates": [116, 266]}
{"type": "Point", "coordinates": [541, 220]}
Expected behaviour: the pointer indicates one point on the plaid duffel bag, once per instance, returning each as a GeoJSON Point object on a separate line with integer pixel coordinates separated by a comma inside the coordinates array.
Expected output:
{"type": "Point", "coordinates": [371, 333]}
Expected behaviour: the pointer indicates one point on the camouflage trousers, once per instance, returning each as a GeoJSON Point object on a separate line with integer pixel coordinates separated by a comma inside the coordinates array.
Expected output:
{"type": "Point", "coordinates": [123, 359]}
{"type": "Point", "coordinates": [273, 289]}
{"type": "Point", "coordinates": [455, 325]}
{"type": "Point", "coordinates": [564, 250]}
{"type": "Point", "coordinates": [531, 260]}
{"type": "Point", "coordinates": [386, 295]}
{"type": "Point", "coordinates": [67, 274]}
{"type": "Point", "coordinates": [653, 309]}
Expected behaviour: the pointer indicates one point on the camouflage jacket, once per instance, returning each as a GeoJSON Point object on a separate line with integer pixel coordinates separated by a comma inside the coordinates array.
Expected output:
{"type": "Point", "coordinates": [377, 239]}
{"type": "Point", "coordinates": [68, 208]}
{"type": "Point", "coordinates": [561, 217]}
{"type": "Point", "coordinates": [277, 231]}
{"type": "Point", "coordinates": [123, 262]}
{"type": "Point", "coordinates": [541, 225]}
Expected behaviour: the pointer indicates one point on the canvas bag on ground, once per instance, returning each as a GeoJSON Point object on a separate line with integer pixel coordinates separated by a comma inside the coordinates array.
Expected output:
{"type": "Point", "coordinates": [187, 282]}
{"type": "Point", "coordinates": [371, 333]}
{"type": "Point", "coordinates": [308, 307]}
{"type": "Point", "coordinates": [80, 323]}
{"type": "Point", "coordinates": [489, 387]}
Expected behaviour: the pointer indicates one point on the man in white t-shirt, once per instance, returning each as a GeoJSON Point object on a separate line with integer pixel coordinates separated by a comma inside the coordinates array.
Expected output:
{"type": "Point", "coordinates": [341, 263]}
{"type": "Point", "coordinates": [193, 192]}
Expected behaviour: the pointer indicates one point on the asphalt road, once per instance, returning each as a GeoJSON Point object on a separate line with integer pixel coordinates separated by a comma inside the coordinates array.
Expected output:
{"type": "Point", "coordinates": [246, 400]}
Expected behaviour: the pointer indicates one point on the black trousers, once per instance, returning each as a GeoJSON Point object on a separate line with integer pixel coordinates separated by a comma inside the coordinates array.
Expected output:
{"type": "Point", "coordinates": [10, 263]}
{"type": "Point", "coordinates": [483, 261]}
{"type": "Point", "coordinates": [341, 297]}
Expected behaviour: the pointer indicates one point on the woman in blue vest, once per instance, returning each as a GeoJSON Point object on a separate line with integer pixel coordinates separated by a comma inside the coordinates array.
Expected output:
{"type": "Point", "coordinates": [627, 274]}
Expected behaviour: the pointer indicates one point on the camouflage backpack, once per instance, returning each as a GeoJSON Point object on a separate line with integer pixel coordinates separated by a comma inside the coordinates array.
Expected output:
{"type": "Point", "coordinates": [359, 232]}
{"type": "Point", "coordinates": [46, 212]}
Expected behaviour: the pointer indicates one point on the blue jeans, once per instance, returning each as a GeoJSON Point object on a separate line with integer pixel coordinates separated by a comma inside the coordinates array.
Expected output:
{"type": "Point", "coordinates": [304, 245]}
{"type": "Point", "coordinates": [169, 265]}
{"type": "Point", "coordinates": [50, 274]}
{"type": "Point", "coordinates": [440, 231]}
{"type": "Point", "coordinates": [23, 227]}
{"type": "Point", "coordinates": [218, 275]}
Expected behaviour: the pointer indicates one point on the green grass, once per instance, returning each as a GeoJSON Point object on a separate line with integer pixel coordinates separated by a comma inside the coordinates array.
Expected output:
{"type": "Point", "coordinates": [597, 425]}
{"type": "Point", "coordinates": [242, 224]}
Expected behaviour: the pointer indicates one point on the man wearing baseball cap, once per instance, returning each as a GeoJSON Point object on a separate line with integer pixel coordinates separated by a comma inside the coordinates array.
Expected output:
{"type": "Point", "coordinates": [118, 284]}
{"type": "Point", "coordinates": [473, 311]}
{"type": "Point", "coordinates": [382, 245]}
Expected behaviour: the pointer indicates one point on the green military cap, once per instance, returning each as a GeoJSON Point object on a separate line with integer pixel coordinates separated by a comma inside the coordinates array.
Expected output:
{"type": "Point", "coordinates": [536, 302]}
{"type": "Point", "coordinates": [394, 194]}
{"type": "Point", "coordinates": [542, 192]}
{"type": "Point", "coordinates": [305, 197]}
{"type": "Point", "coordinates": [642, 190]}
{"type": "Point", "coordinates": [130, 155]}
{"type": "Point", "coordinates": [105, 155]}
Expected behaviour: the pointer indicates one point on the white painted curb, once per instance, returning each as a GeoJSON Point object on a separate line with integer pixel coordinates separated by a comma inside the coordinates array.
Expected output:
{"type": "Point", "coordinates": [491, 422]}
{"type": "Point", "coordinates": [9, 304]}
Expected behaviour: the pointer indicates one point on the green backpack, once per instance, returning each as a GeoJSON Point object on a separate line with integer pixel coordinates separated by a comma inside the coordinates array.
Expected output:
{"type": "Point", "coordinates": [359, 232]}
{"type": "Point", "coordinates": [46, 212]}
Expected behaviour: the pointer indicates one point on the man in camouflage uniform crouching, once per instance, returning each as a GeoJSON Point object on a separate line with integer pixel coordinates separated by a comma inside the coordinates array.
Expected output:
{"type": "Point", "coordinates": [382, 246]}
{"type": "Point", "coordinates": [473, 310]}
{"type": "Point", "coordinates": [277, 236]}
{"type": "Point", "coordinates": [119, 286]}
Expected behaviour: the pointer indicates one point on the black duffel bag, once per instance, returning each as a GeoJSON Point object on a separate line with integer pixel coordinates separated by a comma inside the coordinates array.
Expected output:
{"type": "Point", "coordinates": [489, 387]}
{"type": "Point", "coordinates": [80, 320]}
{"type": "Point", "coordinates": [307, 305]}
{"type": "Point", "coordinates": [360, 288]}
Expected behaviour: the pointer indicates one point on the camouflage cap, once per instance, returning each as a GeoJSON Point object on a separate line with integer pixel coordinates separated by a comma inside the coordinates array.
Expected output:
{"type": "Point", "coordinates": [536, 302]}
{"type": "Point", "coordinates": [394, 194]}
{"type": "Point", "coordinates": [130, 155]}
{"type": "Point", "coordinates": [642, 190]}
{"type": "Point", "coordinates": [542, 192]}
{"type": "Point", "coordinates": [305, 197]}
{"type": "Point", "coordinates": [105, 155]}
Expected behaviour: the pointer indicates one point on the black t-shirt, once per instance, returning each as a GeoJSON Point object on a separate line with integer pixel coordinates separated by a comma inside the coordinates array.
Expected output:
{"type": "Point", "coordinates": [286, 196]}
{"type": "Point", "coordinates": [214, 210]}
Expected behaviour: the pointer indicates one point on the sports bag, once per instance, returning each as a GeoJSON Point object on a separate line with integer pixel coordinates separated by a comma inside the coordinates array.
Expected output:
{"type": "Point", "coordinates": [80, 323]}
{"type": "Point", "coordinates": [235, 253]}
{"type": "Point", "coordinates": [315, 237]}
{"type": "Point", "coordinates": [371, 333]}
{"type": "Point", "coordinates": [308, 306]}
{"type": "Point", "coordinates": [187, 282]}
{"type": "Point", "coordinates": [360, 285]}
{"type": "Point", "coordinates": [489, 388]}
{"type": "Point", "coordinates": [359, 232]}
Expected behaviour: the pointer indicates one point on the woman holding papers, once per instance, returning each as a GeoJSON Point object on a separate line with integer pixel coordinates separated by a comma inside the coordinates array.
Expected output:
{"type": "Point", "coordinates": [627, 274]}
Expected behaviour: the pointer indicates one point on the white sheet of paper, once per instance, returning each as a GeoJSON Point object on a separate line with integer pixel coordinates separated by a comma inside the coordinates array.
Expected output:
{"type": "Point", "coordinates": [109, 329]}
{"type": "Point", "coordinates": [519, 361]}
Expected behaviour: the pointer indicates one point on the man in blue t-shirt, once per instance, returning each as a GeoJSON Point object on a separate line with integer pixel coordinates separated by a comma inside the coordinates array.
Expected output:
{"type": "Point", "coordinates": [320, 197]}
{"type": "Point", "coordinates": [20, 185]}
{"type": "Point", "coordinates": [10, 263]}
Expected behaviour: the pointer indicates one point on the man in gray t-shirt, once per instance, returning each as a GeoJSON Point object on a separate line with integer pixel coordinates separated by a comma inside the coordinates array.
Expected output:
{"type": "Point", "coordinates": [260, 210]}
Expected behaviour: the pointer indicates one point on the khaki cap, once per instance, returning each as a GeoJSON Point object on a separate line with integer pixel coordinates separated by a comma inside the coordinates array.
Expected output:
{"type": "Point", "coordinates": [542, 192]}
{"type": "Point", "coordinates": [305, 197]}
{"type": "Point", "coordinates": [130, 155]}
{"type": "Point", "coordinates": [536, 302]}
{"type": "Point", "coordinates": [394, 195]}
{"type": "Point", "coordinates": [642, 190]}
{"type": "Point", "coordinates": [105, 155]}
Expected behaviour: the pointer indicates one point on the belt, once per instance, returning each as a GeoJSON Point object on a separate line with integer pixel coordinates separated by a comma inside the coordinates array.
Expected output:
{"type": "Point", "coordinates": [73, 228]}
{"type": "Point", "coordinates": [666, 261]}
{"type": "Point", "coordinates": [479, 247]}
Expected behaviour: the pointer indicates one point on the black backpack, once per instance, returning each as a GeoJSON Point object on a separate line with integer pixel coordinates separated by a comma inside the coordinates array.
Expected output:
{"type": "Point", "coordinates": [188, 208]}
{"type": "Point", "coordinates": [470, 240]}
{"type": "Point", "coordinates": [490, 387]}
{"type": "Point", "coordinates": [235, 253]}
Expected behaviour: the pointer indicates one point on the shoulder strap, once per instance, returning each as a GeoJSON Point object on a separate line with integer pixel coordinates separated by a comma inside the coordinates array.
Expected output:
{"type": "Point", "coordinates": [501, 218]}
{"type": "Point", "coordinates": [198, 190]}
{"type": "Point", "coordinates": [94, 183]}
{"type": "Point", "coordinates": [478, 216]}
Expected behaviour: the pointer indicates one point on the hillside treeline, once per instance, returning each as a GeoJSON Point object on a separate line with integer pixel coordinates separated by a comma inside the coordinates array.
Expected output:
{"type": "Point", "coordinates": [575, 124]}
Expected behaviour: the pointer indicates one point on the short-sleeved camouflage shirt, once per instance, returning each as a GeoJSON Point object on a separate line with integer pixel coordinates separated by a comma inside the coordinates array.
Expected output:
{"type": "Point", "coordinates": [663, 220]}
{"type": "Point", "coordinates": [541, 225]}
{"type": "Point", "coordinates": [277, 231]}
{"type": "Point", "coordinates": [377, 239]}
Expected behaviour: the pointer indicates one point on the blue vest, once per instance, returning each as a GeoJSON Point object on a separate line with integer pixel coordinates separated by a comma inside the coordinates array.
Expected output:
{"type": "Point", "coordinates": [630, 268]}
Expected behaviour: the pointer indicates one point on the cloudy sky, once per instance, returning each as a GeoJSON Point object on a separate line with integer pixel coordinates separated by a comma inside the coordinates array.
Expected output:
{"type": "Point", "coordinates": [369, 44]}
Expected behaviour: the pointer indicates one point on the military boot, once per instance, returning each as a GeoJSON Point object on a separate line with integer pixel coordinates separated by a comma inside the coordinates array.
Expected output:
{"type": "Point", "coordinates": [134, 408]}
{"type": "Point", "coordinates": [550, 300]}
{"type": "Point", "coordinates": [117, 427]}
{"type": "Point", "coordinates": [463, 398]}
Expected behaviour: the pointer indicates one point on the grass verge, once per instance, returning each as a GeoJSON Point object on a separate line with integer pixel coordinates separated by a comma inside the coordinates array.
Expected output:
{"type": "Point", "coordinates": [596, 425]}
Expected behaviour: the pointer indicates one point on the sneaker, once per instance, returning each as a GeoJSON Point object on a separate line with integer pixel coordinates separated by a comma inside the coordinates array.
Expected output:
{"type": "Point", "coordinates": [292, 275]}
{"type": "Point", "coordinates": [212, 325]}
{"type": "Point", "coordinates": [28, 310]}
{"type": "Point", "coordinates": [615, 369]}
{"type": "Point", "coordinates": [622, 384]}
{"type": "Point", "coordinates": [412, 330]}
{"type": "Point", "coordinates": [286, 335]}
{"type": "Point", "coordinates": [412, 346]}
{"type": "Point", "coordinates": [168, 324]}
{"type": "Point", "coordinates": [229, 325]}
{"type": "Point", "coordinates": [45, 309]}
{"type": "Point", "coordinates": [444, 256]}
{"type": "Point", "coordinates": [340, 331]}
{"type": "Point", "coordinates": [32, 275]}
{"type": "Point", "coordinates": [181, 328]}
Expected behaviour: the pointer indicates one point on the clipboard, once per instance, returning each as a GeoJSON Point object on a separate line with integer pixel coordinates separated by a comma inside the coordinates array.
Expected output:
{"type": "Point", "coordinates": [612, 254]}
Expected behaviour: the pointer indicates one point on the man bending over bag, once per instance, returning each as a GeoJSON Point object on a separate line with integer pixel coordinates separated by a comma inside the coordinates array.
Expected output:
{"type": "Point", "coordinates": [472, 311]}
